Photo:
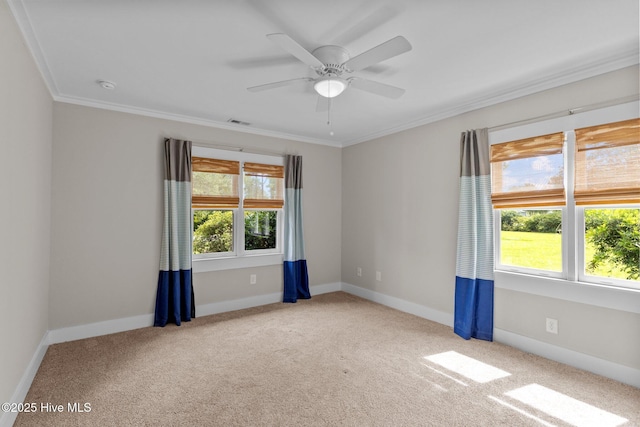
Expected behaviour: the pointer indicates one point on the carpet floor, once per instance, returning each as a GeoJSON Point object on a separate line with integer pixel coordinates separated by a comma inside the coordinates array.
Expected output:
{"type": "Point", "coordinates": [333, 360]}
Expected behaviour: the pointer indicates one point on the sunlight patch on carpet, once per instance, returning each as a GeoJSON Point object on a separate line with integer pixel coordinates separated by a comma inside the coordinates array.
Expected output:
{"type": "Point", "coordinates": [563, 407]}
{"type": "Point", "coordinates": [471, 368]}
{"type": "Point", "coordinates": [521, 411]}
{"type": "Point", "coordinates": [447, 376]}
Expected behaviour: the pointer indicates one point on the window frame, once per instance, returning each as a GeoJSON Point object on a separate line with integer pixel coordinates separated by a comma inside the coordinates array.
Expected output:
{"type": "Point", "coordinates": [239, 257]}
{"type": "Point", "coordinates": [582, 275]}
{"type": "Point", "coordinates": [573, 220]}
{"type": "Point", "coordinates": [279, 233]}
{"type": "Point", "coordinates": [564, 247]}
{"type": "Point", "coordinates": [218, 255]}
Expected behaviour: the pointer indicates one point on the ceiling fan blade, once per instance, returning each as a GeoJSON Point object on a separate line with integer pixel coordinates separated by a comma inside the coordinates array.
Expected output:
{"type": "Point", "coordinates": [384, 51]}
{"type": "Point", "coordinates": [377, 88]}
{"type": "Point", "coordinates": [282, 83]}
{"type": "Point", "coordinates": [294, 48]}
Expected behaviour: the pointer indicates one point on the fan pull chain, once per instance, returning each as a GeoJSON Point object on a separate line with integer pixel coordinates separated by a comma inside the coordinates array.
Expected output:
{"type": "Point", "coordinates": [329, 116]}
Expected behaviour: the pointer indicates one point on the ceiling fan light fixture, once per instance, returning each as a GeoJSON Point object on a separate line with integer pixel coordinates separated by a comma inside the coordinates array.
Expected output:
{"type": "Point", "coordinates": [330, 86]}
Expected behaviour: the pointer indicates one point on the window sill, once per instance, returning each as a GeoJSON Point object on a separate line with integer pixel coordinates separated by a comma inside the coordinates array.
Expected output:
{"type": "Point", "coordinates": [203, 265]}
{"type": "Point", "coordinates": [613, 297]}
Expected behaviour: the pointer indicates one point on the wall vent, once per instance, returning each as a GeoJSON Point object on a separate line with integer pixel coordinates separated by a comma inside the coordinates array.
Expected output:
{"type": "Point", "coordinates": [238, 122]}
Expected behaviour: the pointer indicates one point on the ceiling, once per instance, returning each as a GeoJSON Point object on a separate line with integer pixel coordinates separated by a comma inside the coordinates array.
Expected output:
{"type": "Point", "coordinates": [193, 60]}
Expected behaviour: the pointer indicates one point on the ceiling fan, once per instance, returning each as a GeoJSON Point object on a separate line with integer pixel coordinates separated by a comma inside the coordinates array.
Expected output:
{"type": "Point", "coordinates": [331, 63]}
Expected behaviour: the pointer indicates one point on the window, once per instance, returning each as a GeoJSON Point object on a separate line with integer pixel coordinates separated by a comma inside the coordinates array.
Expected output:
{"type": "Point", "coordinates": [607, 172]}
{"type": "Point", "coordinates": [528, 172]}
{"type": "Point", "coordinates": [567, 204]}
{"type": "Point", "coordinates": [608, 163]}
{"type": "Point", "coordinates": [237, 207]}
{"type": "Point", "coordinates": [531, 239]}
{"type": "Point", "coordinates": [263, 199]}
{"type": "Point", "coordinates": [527, 186]}
{"type": "Point", "coordinates": [611, 244]}
{"type": "Point", "coordinates": [214, 188]}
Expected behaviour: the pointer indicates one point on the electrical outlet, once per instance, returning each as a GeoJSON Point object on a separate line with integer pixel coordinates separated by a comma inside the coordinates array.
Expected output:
{"type": "Point", "coordinates": [552, 326]}
{"type": "Point", "coordinates": [359, 271]}
{"type": "Point", "coordinates": [378, 276]}
{"type": "Point", "coordinates": [252, 279]}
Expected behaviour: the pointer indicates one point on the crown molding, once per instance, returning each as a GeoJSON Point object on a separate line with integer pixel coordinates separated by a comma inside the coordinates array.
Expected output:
{"type": "Point", "coordinates": [21, 17]}
{"type": "Point", "coordinates": [624, 57]}
{"type": "Point", "coordinates": [188, 119]}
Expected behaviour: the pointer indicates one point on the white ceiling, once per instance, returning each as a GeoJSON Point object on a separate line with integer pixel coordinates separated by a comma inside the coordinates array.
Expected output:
{"type": "Point", "coordinates": [193, 60]}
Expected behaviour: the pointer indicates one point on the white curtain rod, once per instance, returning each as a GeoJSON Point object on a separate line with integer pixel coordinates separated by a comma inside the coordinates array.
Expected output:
{"type": "Point", "coordinates": [235, 148]}
{"type": "Point", "coordinates": [568, 112]}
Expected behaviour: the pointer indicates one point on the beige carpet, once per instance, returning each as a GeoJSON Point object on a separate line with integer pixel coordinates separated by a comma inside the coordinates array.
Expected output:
{"type": "Point", "coordinates": [334, 360]}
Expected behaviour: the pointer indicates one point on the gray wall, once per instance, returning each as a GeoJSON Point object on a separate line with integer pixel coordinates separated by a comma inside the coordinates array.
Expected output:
{"type": "Point", "coordinates": [399, 216]}
{"type": "Point", "coordinates": [107, 214]}
{"type": "Point", "coordinates": [25, 189]}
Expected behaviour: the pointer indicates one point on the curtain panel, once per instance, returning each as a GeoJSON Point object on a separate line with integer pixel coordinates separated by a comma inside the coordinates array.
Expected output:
{"type": "Point", "coordinates": [296, 280]}
{"type": "Point", "coordinates": [473, 317]}
{"type": "Point", "coordinates": [175, 300]}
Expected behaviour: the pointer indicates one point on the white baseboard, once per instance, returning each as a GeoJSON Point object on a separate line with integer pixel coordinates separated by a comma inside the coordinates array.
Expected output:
{"type": "Point", "coordinates": [258, 300]}
{"type": "Point", "coordinates": [97, 329]}
{"type": "Point", "coordinates": [608, 369]}
{"type": "Point", "coordinates": [106, 327]}
{"type": "Point", "coordinates": [326, 288]}
{"type": "Point", "coordinates": [400, 304]}
{"type": "Point", "coordinates": [8, 418]}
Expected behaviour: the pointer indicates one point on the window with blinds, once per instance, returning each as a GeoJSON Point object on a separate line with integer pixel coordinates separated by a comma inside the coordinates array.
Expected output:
{"type": "Point", "coordinates": [237, 207]}
{"type": "Point", "coordinates": [263, 186]}
{"type": "Point", "coordinates": [590, 234]}
{"type": "Point", "coordinates": [528, 172]}
{"type": "Point", "coordinates": [607, 164]}
{"type": "Point", "coordinates": [214, 183]}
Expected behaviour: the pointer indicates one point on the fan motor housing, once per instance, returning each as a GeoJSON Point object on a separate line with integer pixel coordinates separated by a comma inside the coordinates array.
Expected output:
{"type": "Point", "coordinates": [332, 57]}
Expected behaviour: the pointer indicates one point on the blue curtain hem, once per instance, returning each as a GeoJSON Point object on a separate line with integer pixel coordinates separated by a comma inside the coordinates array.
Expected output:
{"type": "Point", "coordinates": [464, 334]}
{"type": "Point", "coordinates": [296, 281]}
{"type": "Point", "coordinates": [473, 315]}
{"type": "Point", "coordinates": [484, 336]}
{"type": "Point", "coordinates": [175, 301]}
